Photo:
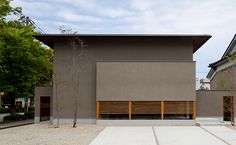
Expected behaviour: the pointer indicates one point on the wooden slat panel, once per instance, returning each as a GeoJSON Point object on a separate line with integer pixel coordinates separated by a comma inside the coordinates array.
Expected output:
{"type": "Point", "coordinates": [97, 110]}
{"type": "Point", "coordinates": [114, 107]}
{"type": "Point", "coordinates": [130, 110]}
{"type": "Point", "coordinates": [162, 110]}
{"type": "Point", "coordinates": [194, 109]}
{"type": "Point", "coordinates": [178, 107]}
{"type": "Point", "coordinates": [146, 107]}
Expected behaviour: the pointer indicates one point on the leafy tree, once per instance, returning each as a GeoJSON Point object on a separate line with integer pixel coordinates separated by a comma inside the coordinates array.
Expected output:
{"type": "Point", "coordinates": [24, 62]}
{"type": "Point", "coordinates": [203, 87]}
{"type": "Point", "coordinates": [227, 82]}
{"type": "Point", "coordinates": [6, 9]}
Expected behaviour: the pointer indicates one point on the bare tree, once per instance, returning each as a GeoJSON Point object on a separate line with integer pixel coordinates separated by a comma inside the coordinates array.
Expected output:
{"type": "Point", "coordinates": [56, 99]}
{"type": "Point", "coordinates": [77, 46]}
{"type": "Point", "coordinates": [77, 49]}
{"type": "Point", "coordinates": [232, 81]}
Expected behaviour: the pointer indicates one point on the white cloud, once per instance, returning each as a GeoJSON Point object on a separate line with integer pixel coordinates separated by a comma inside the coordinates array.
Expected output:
{"type": "Point", "coordinates": [73, 17]}
{"type": "Point", "coordinates": [143, 5]}
{"type": "Point", "coordinates": [115, 13]}
{"type": "Point", "coordinates": [35, 8]}
{"type": "Point", "coordinates": [88, 4]}
{"type": "Point", "coordinates": [215, 17]}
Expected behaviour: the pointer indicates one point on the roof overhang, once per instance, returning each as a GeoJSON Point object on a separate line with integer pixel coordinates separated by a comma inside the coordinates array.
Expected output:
{"type": "Point", "coordinates": [49, 39]}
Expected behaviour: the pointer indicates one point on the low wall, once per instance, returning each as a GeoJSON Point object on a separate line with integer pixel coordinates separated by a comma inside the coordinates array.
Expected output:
{"type": "Point", "coordinates": [42, 91]}
{"type": "Point", "coordinates": [210, 103]}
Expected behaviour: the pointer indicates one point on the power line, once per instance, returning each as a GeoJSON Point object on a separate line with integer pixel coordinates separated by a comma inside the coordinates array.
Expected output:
{"type": "Point", "coordinates": [33, 23]}
{"type": "Point", "coordinates": [28, 21]}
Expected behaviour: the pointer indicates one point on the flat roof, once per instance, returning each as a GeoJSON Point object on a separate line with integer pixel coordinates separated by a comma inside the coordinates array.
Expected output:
{"type": "Point", "coordinates": [197, 40]}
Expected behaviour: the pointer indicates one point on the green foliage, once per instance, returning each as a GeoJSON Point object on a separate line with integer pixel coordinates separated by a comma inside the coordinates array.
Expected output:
{"type": "Point", "coordinates": [4, 110]}
{"type": "Point", "coordinates": [222, 83]}
{"type": "Point", "coordinates": [15, 117]}
{"type": "Point", "coordinates": [6, 9]}
{"type": "Point", "coordinates": [29, 115]}
{"type": "Point", "coordinates": [231, 57]}
{"type": "Point", "coordinates": [31, 109]}
{"type": "Point", "coordinates": [24, 62]}
{"type": "Point", "coordinates": [18, 117]}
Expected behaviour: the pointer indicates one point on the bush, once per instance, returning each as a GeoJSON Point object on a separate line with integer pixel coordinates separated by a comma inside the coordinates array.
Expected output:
{"type": "Point", "coordinates": [16, 117]}
{"type": "Point", "coordinates": [31, 109]}
{"type": "Point", "coordinates": [4, 110]}
{"type": "Point", "coordinates": [29, 115]}
{"type": "Point", "coordinates": [19, 110]}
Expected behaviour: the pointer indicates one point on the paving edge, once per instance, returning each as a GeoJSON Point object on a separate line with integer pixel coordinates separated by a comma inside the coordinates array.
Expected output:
{"type": "Point", "coordinates": [155, 135]}
{"type": "Point", "coordinates": [215, 135]}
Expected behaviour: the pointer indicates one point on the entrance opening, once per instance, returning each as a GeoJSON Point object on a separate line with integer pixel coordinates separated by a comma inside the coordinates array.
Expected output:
{"type": "Point", "coordinates": [228, 107]}
{"type": "Point", "coordinates": [44, 108]}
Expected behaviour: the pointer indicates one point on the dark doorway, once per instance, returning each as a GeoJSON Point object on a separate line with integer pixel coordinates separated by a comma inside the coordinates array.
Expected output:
{"type": "Point", "coordinates": [228, 108]}
{"type": "Point", "coordinates": [44, 108]}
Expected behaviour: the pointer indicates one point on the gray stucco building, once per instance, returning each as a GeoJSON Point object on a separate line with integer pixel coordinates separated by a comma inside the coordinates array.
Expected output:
{"type": "Point", "coordinates": [120, 76]}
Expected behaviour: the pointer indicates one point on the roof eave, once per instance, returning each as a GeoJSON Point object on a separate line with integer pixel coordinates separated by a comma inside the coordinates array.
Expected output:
{"type": "Point", "coordinates": [49, 39]}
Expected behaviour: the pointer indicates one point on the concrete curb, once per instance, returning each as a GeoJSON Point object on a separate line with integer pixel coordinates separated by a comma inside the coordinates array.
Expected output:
{"type": "Point", "coordinates": [16, 124]}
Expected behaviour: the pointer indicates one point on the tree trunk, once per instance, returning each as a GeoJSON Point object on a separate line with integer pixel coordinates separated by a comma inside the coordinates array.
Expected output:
{"type": "Point", "coordinates": [13, 106]}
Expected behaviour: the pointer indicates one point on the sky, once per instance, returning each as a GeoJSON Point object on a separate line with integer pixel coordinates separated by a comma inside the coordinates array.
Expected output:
{"type": "Point", "coordinates": [214, 17]}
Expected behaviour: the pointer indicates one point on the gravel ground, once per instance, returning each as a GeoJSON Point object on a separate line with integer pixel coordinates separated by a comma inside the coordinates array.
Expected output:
{"type": "Point", "coordinates": [44, 134]}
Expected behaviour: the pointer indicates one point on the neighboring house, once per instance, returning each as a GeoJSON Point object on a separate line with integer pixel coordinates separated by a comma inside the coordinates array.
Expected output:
{"type": "Point", "coordinates": [223, 72]}
{"type": "Point", "coordinates": [22, 102]}
{"type": "Point", "coordinates": [219, 101]}
{"type": "Point", "coordinates": [121, 76]}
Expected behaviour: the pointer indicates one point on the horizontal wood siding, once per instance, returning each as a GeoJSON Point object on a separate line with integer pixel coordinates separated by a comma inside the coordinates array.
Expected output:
{"type": "Point", "coordinates": [146, 107]}
{"type": "Point", "coordinates": [178, 107]}
{"type": "Point", "coordinates": [113, 107]}
{"type": "Point", "coordinates": [130, 108]}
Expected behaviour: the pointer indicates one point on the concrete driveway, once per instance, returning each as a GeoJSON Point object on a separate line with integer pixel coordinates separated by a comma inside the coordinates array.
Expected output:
{"type": "Point", "coordinates": [125, 136]}
{"type": "Point", "coordinates": [163, 135]}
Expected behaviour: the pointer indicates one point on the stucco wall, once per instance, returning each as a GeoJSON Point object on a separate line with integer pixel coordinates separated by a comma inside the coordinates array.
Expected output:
{"type": "Point", "coordinates": [224, 79]}
{"type": "Point", "coordinates": [42, 91]}
{"type": "Point", "coordinates": [99, 49]}
{"type": "Point", "coordinates": [146, 81]}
